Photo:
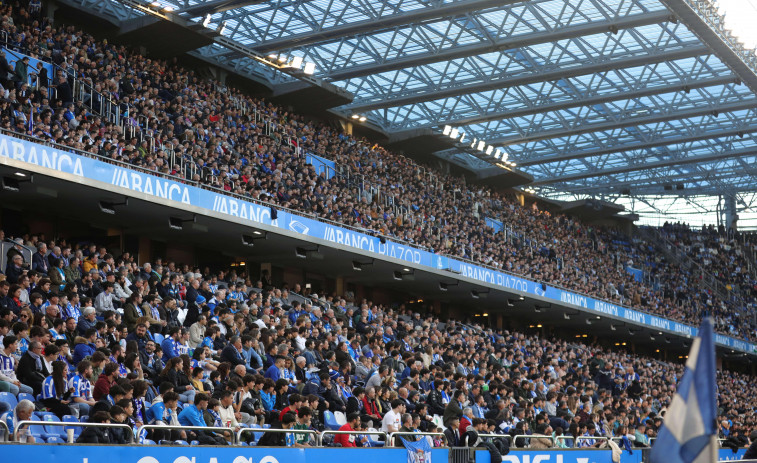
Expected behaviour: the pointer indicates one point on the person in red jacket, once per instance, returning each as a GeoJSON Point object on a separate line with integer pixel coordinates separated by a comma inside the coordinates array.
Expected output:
{"type": "Point", "coordinates": [105, 381]}
{"type": "Point", "coordinates": [350, 440]}
{"type": "Point", "coordinates": [370, 407]}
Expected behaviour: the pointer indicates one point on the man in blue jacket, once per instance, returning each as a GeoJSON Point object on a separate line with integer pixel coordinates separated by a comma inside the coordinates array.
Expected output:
{"type": "Point", "coordinates": [192, 415]}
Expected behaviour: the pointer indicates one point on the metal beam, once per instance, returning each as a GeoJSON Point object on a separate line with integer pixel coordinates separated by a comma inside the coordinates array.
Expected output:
{"type": "Point", "coordinates": [500, 44]}
{"type": "Point", "coordinates": [655, 185]}
{"type": "Point", "coordinates": [648, 166]}
{"type": "Point", "coordinates": [689, 50]}
{"type": "Point", "coordinates": [440, 10]}
{"type": "Point", "coordinates": [587, 101]}
{"type": "Point", "coordinates": [257, 58]}
{"type": "Point", "coordinates": [626, 122]}
{"type": "Point", "coordinates": [216, 6]}
{"type": "Point", "coordinates": [701, 17]}
{"type": "Point", "coordinates": [704, 135]}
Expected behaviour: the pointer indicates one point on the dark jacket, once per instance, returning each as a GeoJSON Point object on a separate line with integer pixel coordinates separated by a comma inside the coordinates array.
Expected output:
{"type": "Point", "coordinates": [94, 436]}
{"type": "Point", "coordinates": [452, 440]}
{"type": "Point", "coordinates": [273, 439]}
{"type": "Point", "coordinates": [232, 355]}
{"type": "Point", "coordinates": [435, 403]}
{"type": "Point", "coordinates": [40, 264]}
{"type": "Point", "coordinates": [131, 314]}
{"type": "Point", "coordinates": [452, 410]}
{"type": "Point", "coordinates": [28, 373]}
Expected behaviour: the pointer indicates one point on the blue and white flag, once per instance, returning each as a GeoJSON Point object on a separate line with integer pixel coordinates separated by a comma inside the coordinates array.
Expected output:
{"type": "Point", "coordinates": [418, 451]}
{"type": "Point", "coordinates": [689, 434]}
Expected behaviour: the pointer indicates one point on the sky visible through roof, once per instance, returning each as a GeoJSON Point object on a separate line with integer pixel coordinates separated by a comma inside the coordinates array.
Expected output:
{"type": "Point", "coordinates": [740, 17]}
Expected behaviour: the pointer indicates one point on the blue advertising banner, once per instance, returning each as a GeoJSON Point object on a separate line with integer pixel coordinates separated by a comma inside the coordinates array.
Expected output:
{"type": "Point", "coordinates": [71, 453]}
{"type": "Point", "coordinates": [554, 456]}
{"type": "Point", "coordinates": [97, 171]}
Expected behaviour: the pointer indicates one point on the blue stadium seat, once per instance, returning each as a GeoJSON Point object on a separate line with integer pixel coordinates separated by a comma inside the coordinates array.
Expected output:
{"type": "Point", "coordinates": [194, 442]}
{"type": "Point", "coordinates": [53, 431]}
{"type": "Point", "coordinates": [9, 399]}
{"type": "Point", "coordinates": [25, 396]}
{"type": "Point", "coordinates": [257, 435]}
{"type": "Point", "coordinates": [55, 440]}
{"type": "Point", "coordinates": [148, 442]}
{"type": "Point", "coordinates": [72, 419]}
{"type": "Point", "coordinates": [181, 442]}
{"type": "Point", "coordinates": [330, 420]}
{"type": "Point", "coordinates": [38, 431]}
{"type": "Point", "coordinates": [158, 338]}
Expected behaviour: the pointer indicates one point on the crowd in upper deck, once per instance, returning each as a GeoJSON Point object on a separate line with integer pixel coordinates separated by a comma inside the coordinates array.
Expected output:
{"type": "Point", "coordinates": [216, 129]}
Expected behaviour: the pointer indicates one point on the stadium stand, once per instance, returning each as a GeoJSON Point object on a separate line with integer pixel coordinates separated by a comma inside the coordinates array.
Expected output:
{"type": "Point", "coordinates": [89, 336]}
{"type": "Point", "coordinates": [256, 351]}
{"type": "Point", "coordinates": [108, 100]}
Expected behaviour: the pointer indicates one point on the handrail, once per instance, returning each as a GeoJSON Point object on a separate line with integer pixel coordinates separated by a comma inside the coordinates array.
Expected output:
{"type": "Point", "coordinates": [564, 437]}
{"type": "Point", "coordinates": [365, 433]}
{"type": "Point", "coordinates": [287, 431]}
{"type": "Point", "coordinates": [588, 438]}
{"type": "Point", "coordinates": [146, 427]}
{"type": "Point", "coordinates": [390, 439]}
{"type": "Point", "coordinates": [67, 424]}
{"type": "Point", "coordinates": [7, 433]}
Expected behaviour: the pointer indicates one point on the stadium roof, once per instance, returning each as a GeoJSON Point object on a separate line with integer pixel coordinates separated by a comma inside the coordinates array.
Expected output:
{"type": "Point", "coordinates": [591, 97]}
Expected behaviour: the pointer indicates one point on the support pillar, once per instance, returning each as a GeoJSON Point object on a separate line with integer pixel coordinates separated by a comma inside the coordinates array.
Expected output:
{"type": "Point", "coordinates": [49, 9]}
{"type": "Point", "coordinates": [145, 249]}
{"type": "Point", "coordinates": [731, 217]}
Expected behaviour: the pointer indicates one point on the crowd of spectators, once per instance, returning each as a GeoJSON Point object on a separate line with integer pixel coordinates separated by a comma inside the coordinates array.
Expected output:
{"type": "Point", "coordinates": [236, 143]}
{"type": "Point", "coordinates": [161, 342]}
{"type": "Point", "coordinates": [203, 123]}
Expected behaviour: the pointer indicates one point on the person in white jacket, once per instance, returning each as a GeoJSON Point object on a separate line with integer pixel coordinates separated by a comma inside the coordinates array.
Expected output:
{"type": "Point", "coordinates": [197, 331]}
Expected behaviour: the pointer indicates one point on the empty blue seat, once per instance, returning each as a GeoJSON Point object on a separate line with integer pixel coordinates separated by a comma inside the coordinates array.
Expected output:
{"type": "Point", "coordinates": [55, 440]}
{"type": "Point", "coordinates": [330, 420]}
{"type": "Point", "coordinates": [148, 442]}
{"type": "Point", "coordinates": [257, 435]}
{"type": "Point", "coordinates": [158, 338]}
{"type": "Point", "coordinates": [9, 399]}
{"type": "Point", "coordinates": [181, 442]}
{"type": "Point", "coordinates": [25, 396]}
{"type": "Point", "coordinates": [194, 442]}
{"type": "Point", "coordinates": [53, 431]}
{"type": "Point", "coordinates": [72, 419]}
{"type": "Point", "coordinates": [38, 431]}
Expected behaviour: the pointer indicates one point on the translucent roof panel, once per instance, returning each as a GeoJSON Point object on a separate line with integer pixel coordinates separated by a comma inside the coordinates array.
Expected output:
{"type": "Point", "coordinates": [624, 92]}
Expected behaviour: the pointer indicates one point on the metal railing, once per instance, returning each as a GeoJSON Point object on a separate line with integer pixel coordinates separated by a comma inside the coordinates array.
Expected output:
{"type": "Point", "coordinates": [66, 424]}
{"type": "Point", "coordinates": [391, 440]}
{"type": "Point", "coordinates": [358, 433]}
{"type": "Point", "coordinates": [242, 431]}
{"type": "Point", "coordinates": [6, 431]}
{"type": "Point", "coordinates": [147, 427]}
{"type": "Point", "coordinates": [580, 439]}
